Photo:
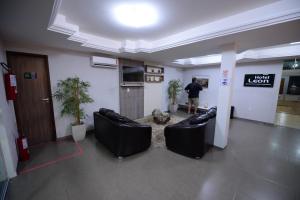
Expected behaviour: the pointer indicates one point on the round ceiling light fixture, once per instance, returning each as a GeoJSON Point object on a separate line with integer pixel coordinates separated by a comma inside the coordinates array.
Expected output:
{"type": "Point", "coordinates": [136, 15]}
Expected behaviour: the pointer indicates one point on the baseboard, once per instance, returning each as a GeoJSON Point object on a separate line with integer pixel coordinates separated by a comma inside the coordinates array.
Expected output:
{"type": "Point", "coordinates": [68, 137]}
{"type": "Point", "coordinates": [251, 120]}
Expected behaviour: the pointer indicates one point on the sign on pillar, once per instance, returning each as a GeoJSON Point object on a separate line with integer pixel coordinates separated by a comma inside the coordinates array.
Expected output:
{"type": "Point", "coordinates": [225, 95]}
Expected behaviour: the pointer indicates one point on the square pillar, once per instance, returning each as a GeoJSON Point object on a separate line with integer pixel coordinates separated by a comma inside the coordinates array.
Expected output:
{"type": "Point", "coordinates": [225, 95]}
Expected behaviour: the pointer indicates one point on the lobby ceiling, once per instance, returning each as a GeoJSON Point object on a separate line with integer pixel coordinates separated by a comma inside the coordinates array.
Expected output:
{"type": "Point", "coordinates": [184, 29]}
{"type": "Point", "coordinates": [174, 16]}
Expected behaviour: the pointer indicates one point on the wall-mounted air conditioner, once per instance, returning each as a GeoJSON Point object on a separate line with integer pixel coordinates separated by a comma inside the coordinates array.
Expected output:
{"type": "Point", "coordinates": [104, 62]}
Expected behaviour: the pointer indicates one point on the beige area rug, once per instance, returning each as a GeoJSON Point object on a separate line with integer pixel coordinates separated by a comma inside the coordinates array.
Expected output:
{"type": "Point", "coordinates": [158, 138]}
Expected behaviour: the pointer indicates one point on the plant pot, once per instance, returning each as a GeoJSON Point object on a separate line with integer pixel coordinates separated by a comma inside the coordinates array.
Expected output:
{"type": "Point", "coordinates": [78, 132]}
{"type": "Point", "coordinates": [173, 108]}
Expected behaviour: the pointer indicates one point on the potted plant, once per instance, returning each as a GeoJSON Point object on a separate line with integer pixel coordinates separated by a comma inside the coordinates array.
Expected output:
{"type": "Point", "coordinates": [174, 89]}
{"type": "Point", "coordinates": [72, 92]}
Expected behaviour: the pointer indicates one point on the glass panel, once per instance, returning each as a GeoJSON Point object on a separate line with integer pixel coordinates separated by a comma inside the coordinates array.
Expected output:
{"type": "Point", "coordinates": [3, 176]}
{"type": "Point", "coordinates": [291, 64]}
{"type": "Point", "coordinates": [2, 166]}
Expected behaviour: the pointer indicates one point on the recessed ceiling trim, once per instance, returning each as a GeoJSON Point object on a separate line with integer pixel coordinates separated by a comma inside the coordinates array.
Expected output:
{"type": "Point", "coordinates": [56, 6]}
{"type": "Point", "coordinates": [225, 27]}
{"type": "Point", "coordinates": [77, 37]}
{"type": "Point", "coordinates": [61, 26]}
{"type": "Point", "coordinates": [269, 53]}
{"type": "Point", "coordinates": [278, 12]}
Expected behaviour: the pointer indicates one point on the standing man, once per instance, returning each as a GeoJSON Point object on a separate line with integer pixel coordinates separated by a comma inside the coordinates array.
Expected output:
{"type": "Point", "coordinates": [193, 90]}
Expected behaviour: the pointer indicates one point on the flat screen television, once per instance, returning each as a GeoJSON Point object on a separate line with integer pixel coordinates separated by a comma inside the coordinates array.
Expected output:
{"type": "Point", "coordinates": [133, 74]}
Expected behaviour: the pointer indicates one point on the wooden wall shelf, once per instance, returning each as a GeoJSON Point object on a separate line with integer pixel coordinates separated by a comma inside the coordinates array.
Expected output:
{"type": "Point", "coordinates": [154, 74]}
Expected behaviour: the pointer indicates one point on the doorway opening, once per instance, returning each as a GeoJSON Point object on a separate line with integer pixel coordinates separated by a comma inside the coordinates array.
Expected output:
{"type": "Point", "coordinates": [288, 106]}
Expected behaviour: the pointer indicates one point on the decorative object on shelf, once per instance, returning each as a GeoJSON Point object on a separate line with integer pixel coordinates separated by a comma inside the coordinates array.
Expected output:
{"type": "Point", "coordinates": [174, 89]}
{"type": "Point", "coordinates": [160, 117]}
{"type": "Point", "coordinates": [72, 92]}
{"type": "Point", "coordinates": [154, 74]}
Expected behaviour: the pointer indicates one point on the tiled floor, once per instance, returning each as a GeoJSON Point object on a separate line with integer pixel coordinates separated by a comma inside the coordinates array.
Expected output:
{"type": "Point", "coordinates": [287, 120]}
{"type": "Point", "coordinates": [288, 114]}
{"type": "Point", "coordinates": [289, 107]}
{"type": "Point", "coordinates": [48, 153]}
{"type": "Point", "coordinates": [261, 162]}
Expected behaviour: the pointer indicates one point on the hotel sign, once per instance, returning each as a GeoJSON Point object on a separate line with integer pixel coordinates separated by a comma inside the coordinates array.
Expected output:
{"type": "Point", "coordinates": [259, 80]}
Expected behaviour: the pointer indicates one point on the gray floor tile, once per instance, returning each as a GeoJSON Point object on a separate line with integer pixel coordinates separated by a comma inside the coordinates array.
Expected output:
{"type": "Point", "coordinates": [260, 162]}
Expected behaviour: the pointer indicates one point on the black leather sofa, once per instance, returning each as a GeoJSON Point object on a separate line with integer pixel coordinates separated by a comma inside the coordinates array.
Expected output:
{"type": "Point", "coordinates": [122, 136]}
{"type": "Point", "coordinates": [193, 136]}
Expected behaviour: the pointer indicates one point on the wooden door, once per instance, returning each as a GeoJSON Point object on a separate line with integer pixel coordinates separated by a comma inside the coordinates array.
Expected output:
{"type": "Point", "coordinates": [281, 86]}
{"type": "Point", "coordinates": [132, 102]}
{"type": "Point", "coordinates": [131, 97]}
{"type": "Point", "coordinates": [33, 107]}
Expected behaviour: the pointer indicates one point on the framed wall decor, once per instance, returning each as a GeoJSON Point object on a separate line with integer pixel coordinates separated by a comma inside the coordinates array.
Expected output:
{"type": "Point", "coordinates": [259, 80]}
{"type": "Point", "coordinates": [203, 81]}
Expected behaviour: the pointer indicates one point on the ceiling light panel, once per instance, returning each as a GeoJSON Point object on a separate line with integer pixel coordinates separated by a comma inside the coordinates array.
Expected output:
{"type": "Point", "coordinates": [136, 15]}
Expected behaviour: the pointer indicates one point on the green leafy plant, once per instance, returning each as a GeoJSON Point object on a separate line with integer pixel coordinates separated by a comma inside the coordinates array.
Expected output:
{"type": "Point", "coordinates": [72, 92]}
{"type": "Point", "coordinates": [174, 89]}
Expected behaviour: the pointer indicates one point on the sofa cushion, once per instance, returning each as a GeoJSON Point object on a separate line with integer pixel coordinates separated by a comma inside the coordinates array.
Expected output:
{"type": "Point", "coordinates": [200, 119]}
{"type": "Point", "coordinates": [118, 118]}
{"type": "Point", "coordinates": [104, 111]}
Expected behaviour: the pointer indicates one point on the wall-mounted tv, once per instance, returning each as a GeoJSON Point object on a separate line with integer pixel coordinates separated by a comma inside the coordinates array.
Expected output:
{"type": "Point", "coordinates": [133, 74]}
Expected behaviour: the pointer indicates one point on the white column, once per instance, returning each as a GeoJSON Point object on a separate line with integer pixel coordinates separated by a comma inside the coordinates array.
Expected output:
{"type": "Point", "coordinates": [225, 93]}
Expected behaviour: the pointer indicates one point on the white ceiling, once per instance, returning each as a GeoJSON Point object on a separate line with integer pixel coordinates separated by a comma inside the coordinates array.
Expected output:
{"type": "Point", "coordinates": [95, 17]}
{"type": "Point", "coordinates": [26, 22]}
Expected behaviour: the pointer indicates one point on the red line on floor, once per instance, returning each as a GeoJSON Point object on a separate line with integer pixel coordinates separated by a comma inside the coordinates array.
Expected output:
{"type": "Point", "coordinates": [46, 143]}
{"type": "Point", "coordinates": [79, 152]}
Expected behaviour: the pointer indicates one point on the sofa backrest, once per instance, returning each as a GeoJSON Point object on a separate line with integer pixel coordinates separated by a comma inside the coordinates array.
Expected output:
{"type": "Point", "coordinates": [199, 119]}
{"type": "Point", "coordinates": [103, 111]}
{"type": "Point", "coordinates": [212, 112]}
{"type": "Point", "coordinates": [110, 114]}
{"type": "Point", "coordinates": [203, 117]}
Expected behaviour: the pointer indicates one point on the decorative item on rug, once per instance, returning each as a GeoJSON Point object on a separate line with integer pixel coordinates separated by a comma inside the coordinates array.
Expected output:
{"type": "Point", "coordinates": [160, 117]}
{"type": "Point", "coordinates": [158, 138]}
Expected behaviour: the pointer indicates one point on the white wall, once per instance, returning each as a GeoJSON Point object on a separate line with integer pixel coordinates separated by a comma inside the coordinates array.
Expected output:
{"type": "Point", "coordinates": [206, 96]}
{"type": "Point", "coordinates": [8, 127]}
{"type": "Point", "coordinates": [105, 86]}
{"type": "Point", "coordinates": [170, 73]}
{"type": "Point", "coordinates": [62, 64]}
{"type": "Point", "coordinates": [256, 103]}
{"type": "Point", "coordinates": [152, 97]}
{"type": "Point", "coordinates": [250, 103]}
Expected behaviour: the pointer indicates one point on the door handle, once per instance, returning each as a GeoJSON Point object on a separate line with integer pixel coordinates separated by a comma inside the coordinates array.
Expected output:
{"type": "Point", "coordinates": [45, 99]}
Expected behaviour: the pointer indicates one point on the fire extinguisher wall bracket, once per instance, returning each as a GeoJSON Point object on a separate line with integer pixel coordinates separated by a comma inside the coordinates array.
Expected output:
{"type": "Point", "coordinates": [5, 66]}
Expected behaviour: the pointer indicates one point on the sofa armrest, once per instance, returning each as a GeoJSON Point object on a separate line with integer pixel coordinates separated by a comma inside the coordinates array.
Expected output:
{"type": "Point", "coordinates": [134, 138]}
{"type": "Point", "coordinates": [186, 140]}
{"type": "Point", "coordinates": [106, 131]}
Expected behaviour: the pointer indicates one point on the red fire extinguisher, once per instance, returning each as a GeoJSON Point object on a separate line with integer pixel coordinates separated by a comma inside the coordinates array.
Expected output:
{"type": "Point", "coordinates": [10, 83]}
{"type": "Point", "coordinates": [23, 148]}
